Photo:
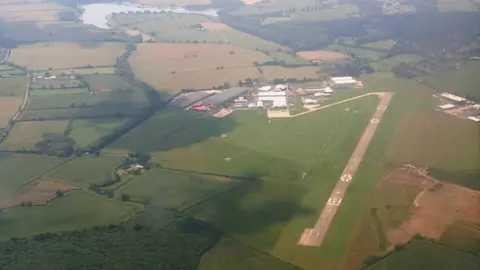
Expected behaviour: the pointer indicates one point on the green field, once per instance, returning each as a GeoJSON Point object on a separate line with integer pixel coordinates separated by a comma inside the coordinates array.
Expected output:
{"type": "Point", "coordinates": [79, 171]}
{"type": "Point", "coordinates": [17, 170]}
{"type": "Point", "coordinates": [56, 84]}
{"type": "Point", "coordinates": [381, 44]}
{"type": "Point", "coordinates": [389, 63]}
{"type": "Point", "coordinates": [66, 91]}
{"type": "Point", "coordinates": [84, 71]}
{"type": "Point", "coordinates": [42, 102]}
{"type": "Point", "coordinates": [25, 135]}
{"type": "Point", "coordinates": [76, 210]}
{"type": "Point", "coordinates": [422, 254]}
{"type": "Point", "coordinates": [106, 82]}
{"type": "Point", "coordinates": [464, 236]}
{"type": "Point", "coordinates": [13, 86]}
{"type": "Point", "coordinates": [87, 131]}
{"type": "Point", "coordinates": [359, 52]}
{"type": "Point", "coordinates": [464, 81]}
{"type": "Point", "coordinates": [231, 254]}
{"type": "Point", "coordinates": [12, 72]}
{"type": "Point", "coordinates": [90, 112]}
{"type": "Point", "coordinates": [166, 189]}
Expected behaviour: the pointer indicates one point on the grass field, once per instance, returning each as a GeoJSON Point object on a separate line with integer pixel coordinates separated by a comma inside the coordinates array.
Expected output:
{"type": "Point", "coordinates": [389, 63]}
{"type": "Point", "coordinates": [464, 81]}
{"type": "Point", "coordinates": [422, 254]}
{"type": "Point", "coordinates": [66, 91]}
{"type": "Point", "coordinates": [166, 189]}
{"type": "Point", "coordinates": [455, 5]}
{"type": "Point", "coordinates": [359, 52]}
{"type": "Point", "coordinates": [13, 86]}
{"type": "Point", "coordinates": [322, 55]}
{"type": "Point", "coordinates": [381, 44]}
{"type": "Point", "coordinates": [76, 210]}
{"type": "Point", "coordinates": [79, 171]}
{"type": "Point", "coordinates": [42, 102]}
{"type": "Point", "coordinates": [59, 83]}
{"type": "Point", "coordinates": [8, 108]}
{"type": "Point", "coordinates": [183, 28]}
{"type": "Point", "coordinates": [106, 82]}
{"type": "Point", "coordinates": [231, 254]}
{"type": "Point", "coordinates": [25, 135]}
{"type": "Point", "coordinates": [89, 112]}
{"type": "Point", "coordinates": [269, 73]}
{"type": "Point", "coordinates": [66, 55]}
{"type": "Point", "coordinates": [464, 236]}
{"type": "Point", "coordinates": [170, 67]}
{"type": "Point", "coordinates": [12, 72]}
{"type": "Point", "coordinates": [85, 71]}
{"type": "Point", "coordinates": [87, 131]}
{"type": "Point", "coordinates": [38, 12]}
{"type": "Point", "coordinates": [17, 170]}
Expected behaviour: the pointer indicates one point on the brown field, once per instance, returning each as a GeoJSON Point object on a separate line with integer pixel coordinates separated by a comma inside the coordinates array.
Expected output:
{"type": "Point", "coordinates": [40, 193]}
{"type": "Point", "coordinates": [173, 2]}
{"type": "Point", "coordinates": [322, 55]}
{"type": "Point", "coordinates": [214, 26]}
{"type": "Point", "coordinates": [65, 55]}
{"type": "Point", "coordinates": [272, 72]}
{"type": "Point", "coordinates": [382, 44]}
{"type": "Point", "coordinates": [144, 36]}
{"type": "Point", "coordinates": [170, 67]}
{"type": "Point", "coordinates": [8, 108]}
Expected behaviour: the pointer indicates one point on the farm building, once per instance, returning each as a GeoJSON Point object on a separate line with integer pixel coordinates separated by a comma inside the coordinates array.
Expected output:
{"type": "Point", "coordinates": [475, 119]}
{"type": "Point", "coordinates": [315, 90]}
{"type": "Point", "coordinates": [276, 99]}
{"type": "Point", "coordinates": [453, 97]}
{"type": "Point", "coordinates": [225, 96]}
{"type": "Point", "coordinates": [446, 106]}
{"type": "Point", "coordinates": [187, 99]}
{"type": "Point", "coordinates": [476, 106]}
{"type": "Point", "coordinates": [343, 81]}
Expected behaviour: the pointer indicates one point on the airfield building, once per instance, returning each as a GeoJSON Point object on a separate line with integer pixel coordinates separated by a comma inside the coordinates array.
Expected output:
{"type": "Point", "coordinates": [225, 96]}
{"type": "Point", "coordinates": [453, 97]}
{"type": "Point", "coordinates": [343, 81]}
{"type": "Point", "coordinates": [186, 99]}
{"type": "Point", "coordinates": [446, 106]}
{"type": "Point", "coordinates": [273, 99]}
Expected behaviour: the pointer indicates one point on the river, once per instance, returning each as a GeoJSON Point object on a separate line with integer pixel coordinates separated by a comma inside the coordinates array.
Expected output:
{"type": "Point", "coordinates": [96, 14]}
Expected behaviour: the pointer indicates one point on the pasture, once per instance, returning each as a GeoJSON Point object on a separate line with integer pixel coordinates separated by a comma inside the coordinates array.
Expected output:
{"type": "Point", "coordinates": [39, 12]}
{"type": "Point", "coordinates": [359, 52]}
{"type": "Point", "coordinates": [173, 2]}
{"type": "Point", "coordinates": [106, 82]}
{"type": "Point", "coordinates": [11, 72]}
{"type": "Point", "coordinates": [163, 65]}
{"type": "Point", "coordinates": [322, 55]}
{"type": "Point", "coordinates": [17, 170]}
{"type": "Point", "coordinates": [177, 190]}
{"type": "Point", "coordinates": [381, 44]}
{"type": "Point", "coordinates": [25, 135]}
{"type": "Point", "coordinates": [84, 71]}
{"type": "Point", "coordinates": [8, 108]}
{"type": "Point", "coordinates": [75, 210]}
{"type": "Point", "coordinates": [13, 86]}
{"type": "Point", "coordinates": [271, 73]}
{"type": "Point", "coordinates": [58, 55]}
{"type": "Point", "coordinates": [56, 84]}
{"type": "Point", "coordinates": [388, 63]}
{"type": "Point", "coordinates": [423, 254]}
{"type": "Point", "coordinates": [50, 92]}
{"type": "Point", "coordinates": [86, 170]}
{"type": "Point", "coordinates": [85, 112]}
{"type": "Point", "coordinates": [87, 131]}
{"type": "Point", "coordinates": [464, 236]}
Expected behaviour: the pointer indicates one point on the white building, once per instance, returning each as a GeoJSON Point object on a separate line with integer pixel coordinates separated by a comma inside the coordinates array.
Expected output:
{"type": "Point", "coordinates": [265, 88]}
{"type": "Point", "coordinates": [309, 101]}
{"type": "Point", "coordinates": [475, 119]}
{"type": "Point", "coordinates": [280, 87]}
{"type": "Point", "coordinates": [278, 99]}
{"type": "Point", "coordinates": [343, 81]}
{"type": "Point", "coordinates": [322, 94]}
{"type": "Point", "coordinates": [446, 106]}
{"type": "Point", "coordinates": [453, 97]}
{"type": "Point", "coordinates": [272, 94]}
{"type": "Point", "coordinates": [476, 106]}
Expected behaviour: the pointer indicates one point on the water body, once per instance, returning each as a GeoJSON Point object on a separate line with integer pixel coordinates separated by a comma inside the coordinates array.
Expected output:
{"type": "Point", "coordinates": [96, 14]}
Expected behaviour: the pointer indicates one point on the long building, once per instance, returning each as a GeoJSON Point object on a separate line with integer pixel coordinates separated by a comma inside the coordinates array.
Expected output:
{"type": "Point", "coordinates": [225, 96]}
{"type": "Point", "coordinates": [343, 81]}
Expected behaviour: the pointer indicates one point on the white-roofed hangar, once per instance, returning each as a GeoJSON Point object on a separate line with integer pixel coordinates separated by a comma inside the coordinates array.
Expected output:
{"type": "Point", "coordinates": [339, 82]}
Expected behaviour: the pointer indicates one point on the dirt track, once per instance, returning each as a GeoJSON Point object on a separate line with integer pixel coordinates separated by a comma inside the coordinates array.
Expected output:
{"type": "Point", "coordinates": [315, 235]}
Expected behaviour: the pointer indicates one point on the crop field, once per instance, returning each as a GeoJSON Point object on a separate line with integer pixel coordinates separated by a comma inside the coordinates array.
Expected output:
{"type": "Point", "coordinates": [322, 55]}
{"type": "Point", "coordinates": [186, 28]}
{"type": "Point", "coordinates": [17, 170]}
{"type": "Point", "coordinates": [464, 236]}
{"type": "Point", "coordinates": [381, 44]}
{"type": "Point", "coordinates": [273, 72]}
{"type": "Point", "coordinates": [50, 92]}
{"type": "Point", "coordinates": [173, 2]}
{"type": "Point", "coordinates": [389, 63]}
{"type": "Point", "coordinates": [231, 254]}
{"type": "Point", "coordinates": [106, 82]}
{"type": "Point", "coordinates": [12, 72]}
{"type": "Point", "coordinates": [8, 108]}
{"type": "Point", "coordinates": [84, 71]}
{"type": "Point", "coordinates": [39, 12]}
{"type": "Point", "coordinates": [40, 192]}
{"type": "Point", "coordinates": [432, 256]}
{"type": "Point", "coordinates": [455, 5]}
{"type": "Point", "coordinates": [59, 55]}
{"type": "Point", "coordinates": [74, 113]}
{"type": "Point", "coordinates": [175, 60]}
{"type": "Point", "coordinates": [13, 86]}
{"type": "Point", "coordinates": [42, 102]}
{"type": "Point", "coordinates": [75, 210]}
{"type": "Point", "coordinates": [359, 52]}
{"type": "Point", "coordinates": [431, 139]}
{"type": "Point", "coordinates": [165, 189]}
{"type": "Point", "coordinates": [25, 135]}
{"type": "Point", "coordinates": [464, 81]}
{"type": "Point", "coordinates": [55, 84]}
{"type": "Point", "coordinates": [88, 131]}
{"type": "Point", "coordinates": [79, 171]}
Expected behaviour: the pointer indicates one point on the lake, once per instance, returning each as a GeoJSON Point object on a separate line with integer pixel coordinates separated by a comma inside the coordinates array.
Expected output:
{"type": "Point", "coordinates": [96, 14]}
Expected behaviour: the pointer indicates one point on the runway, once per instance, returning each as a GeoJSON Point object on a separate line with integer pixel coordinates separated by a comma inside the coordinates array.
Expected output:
{"type": "Point", "coordinates": [314, 236]}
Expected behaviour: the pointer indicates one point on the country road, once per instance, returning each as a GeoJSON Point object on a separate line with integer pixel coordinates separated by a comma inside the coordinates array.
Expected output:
{"type": "Point", "coordinates": [25, 99]}
{"type": "Point", "coordinates": [314, 236]}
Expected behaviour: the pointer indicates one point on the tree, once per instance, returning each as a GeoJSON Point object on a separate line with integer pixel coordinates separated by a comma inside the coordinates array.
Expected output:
{"type": "Point", "coordinates": [226, 85]}
{"type": "Point", "coordinates": [232, 52]}
{"type": "Point", "coordinates": [125, 197]}
{"type": "Point", "coordinates": [173, 72]}
{"type": "Point", "coordinates": [60, 193]}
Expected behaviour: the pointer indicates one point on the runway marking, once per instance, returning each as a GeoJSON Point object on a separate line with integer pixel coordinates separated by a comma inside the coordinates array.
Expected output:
{"type": "Point", "coordinates": [314, 236]}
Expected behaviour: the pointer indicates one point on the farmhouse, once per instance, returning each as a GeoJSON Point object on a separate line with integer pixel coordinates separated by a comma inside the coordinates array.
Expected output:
{"type": "Point", "coordinates": [453, 97]}
{"type": "Point", "coordinates": [225, 96]}
{"type": "Point", "coordinates": [343, 81]}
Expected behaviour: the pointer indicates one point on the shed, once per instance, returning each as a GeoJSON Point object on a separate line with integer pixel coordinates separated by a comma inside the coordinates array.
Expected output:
{"type": "Point", "coordinates": [226, 96]}
{"type": "Point", "coordinates": [446, 106]}
{"type": "Point", "coordinates": [475, 119]}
